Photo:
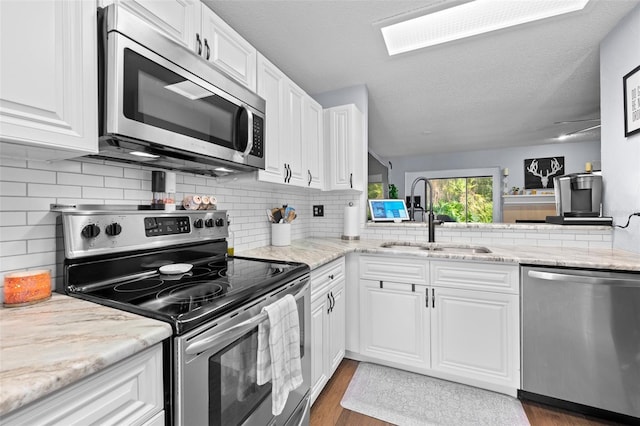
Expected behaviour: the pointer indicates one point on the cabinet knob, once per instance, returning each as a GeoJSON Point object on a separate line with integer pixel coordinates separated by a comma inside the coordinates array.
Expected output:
{"type": "Point", "coordinates": [331, 276]}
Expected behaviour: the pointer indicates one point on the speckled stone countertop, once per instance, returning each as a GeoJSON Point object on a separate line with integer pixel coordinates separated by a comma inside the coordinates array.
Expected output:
{"type": "Point", "coordinates": [318, 251]}
{"type": "Point", "coordinates": [49, 345]}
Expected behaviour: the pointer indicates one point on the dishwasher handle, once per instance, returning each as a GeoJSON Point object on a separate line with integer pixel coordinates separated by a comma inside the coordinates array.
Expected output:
{"type": "Point", "coordinates": [582, 279]}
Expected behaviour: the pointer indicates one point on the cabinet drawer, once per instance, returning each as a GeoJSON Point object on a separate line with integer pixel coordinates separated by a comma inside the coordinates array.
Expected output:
{"type": "Point", "coordinates": [478, 276]}
{"type": "Point", "coordinates": [325, 275]}
{"type": "Point", "coordinates": [398, 269]}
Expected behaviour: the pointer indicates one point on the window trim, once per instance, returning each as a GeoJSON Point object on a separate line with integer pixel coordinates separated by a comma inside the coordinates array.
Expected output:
{"type": "Point", "coordinates": [494, 172]}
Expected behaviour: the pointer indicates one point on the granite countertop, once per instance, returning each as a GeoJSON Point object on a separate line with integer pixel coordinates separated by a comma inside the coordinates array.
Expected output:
{"type": "Point", "coordinates": [49, 345]}
{"type": "Point", "coordinates": [318, 251]}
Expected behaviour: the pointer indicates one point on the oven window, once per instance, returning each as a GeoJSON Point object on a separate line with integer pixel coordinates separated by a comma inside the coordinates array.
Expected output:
{"type": "Point", "coordinates": [161, 98]}
{"type": "Point", "coordinates": [234, 392]}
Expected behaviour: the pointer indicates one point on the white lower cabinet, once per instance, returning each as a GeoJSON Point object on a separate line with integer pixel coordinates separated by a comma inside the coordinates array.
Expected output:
{"type": "Point", "coordinates": [327, 323]}
{"type": "Point", "coordinates": [394, 322]}
{"type": "Point", "coordinates": [130, 392]}
{"type": "Point", "coordinates": [456, 320]}
{"type": "Point", "coordinates": [474, 334]}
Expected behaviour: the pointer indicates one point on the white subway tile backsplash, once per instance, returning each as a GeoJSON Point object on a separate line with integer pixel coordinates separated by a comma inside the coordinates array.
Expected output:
{"type": "Point", "coordinates": [23, 233]}
{"type": "Point", "coordinates": [57, 166]}
{"type": "Point", "coordinates": [27, 261]}
{"type": "Point", "coordinates": [12, 248]}
{"type": "Point", "coordinates": [16, 189]}
{"type": "Point", "coordinates": [41, 245]}
{"type": "Point", "coordinates": [111, 182]}
{"type": "Point", "coordinates": [12, 162]}
{"type": "Point", "coordinates": [42, 218]}
{"type": "Point", "coordinates": [105, 193]}
{"type": "Point", "coordinates": [13, 218]}
{"type": "Point", "coordinates": [79, 179]}
{"type": "Point", "coordinates": [13, 174]}
{"type": "Point", "coordinates": [42, 190]}
{"type": "Point", "coordinates": [25, 203]}
{"type": "Point", "coordinates": [134, 194]}
{"type": "Point", "coordinates": [89, 168]}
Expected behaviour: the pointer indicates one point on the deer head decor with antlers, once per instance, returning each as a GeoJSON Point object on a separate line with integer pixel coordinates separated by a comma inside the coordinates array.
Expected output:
{"type": "Point", "coordinates": [544, 179]}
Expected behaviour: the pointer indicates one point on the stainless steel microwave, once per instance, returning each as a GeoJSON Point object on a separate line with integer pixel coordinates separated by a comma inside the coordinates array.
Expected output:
{"type": "Point", "coordinates": [164, 106]}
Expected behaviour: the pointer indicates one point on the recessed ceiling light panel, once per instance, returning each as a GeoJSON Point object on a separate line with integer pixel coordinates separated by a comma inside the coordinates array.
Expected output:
{"type": "Point", "coordinates": [470, 19]}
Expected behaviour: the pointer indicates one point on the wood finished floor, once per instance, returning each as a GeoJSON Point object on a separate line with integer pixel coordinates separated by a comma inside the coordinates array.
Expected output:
{"type": "Point", "coordinates": [327, 410]}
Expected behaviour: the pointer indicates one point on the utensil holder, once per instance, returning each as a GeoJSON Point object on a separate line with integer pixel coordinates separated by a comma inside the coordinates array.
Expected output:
{"type": "Point", "coordinates": [280, 234]}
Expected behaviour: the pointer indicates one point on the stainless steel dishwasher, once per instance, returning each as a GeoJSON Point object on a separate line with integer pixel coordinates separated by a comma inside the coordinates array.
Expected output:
{"type": "Point", "coordinates": [581, 340]}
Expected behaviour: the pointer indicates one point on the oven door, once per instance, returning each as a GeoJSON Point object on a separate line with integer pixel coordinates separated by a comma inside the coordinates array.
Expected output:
{"type": "Point", "coordinates": [149, 98]}
{"type": "Point", "coordinates": [216, 380]}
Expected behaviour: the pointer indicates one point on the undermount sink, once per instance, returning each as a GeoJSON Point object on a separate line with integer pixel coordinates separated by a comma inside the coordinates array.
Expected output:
{"type": "Point", "coordinates": [436, 247]}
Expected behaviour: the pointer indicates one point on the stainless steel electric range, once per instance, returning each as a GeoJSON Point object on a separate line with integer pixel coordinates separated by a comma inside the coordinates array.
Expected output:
{"type": "Point", "coordinates": [174, 267]}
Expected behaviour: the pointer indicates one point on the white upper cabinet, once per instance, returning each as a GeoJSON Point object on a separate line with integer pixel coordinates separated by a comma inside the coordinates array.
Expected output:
{"type": "Point", "coordinates": [314, 143]}
{"type": "Point", "coordinates": [197, 27]}
{"type": "Point", "coordinates": [346, 148]}
{"type": "Point", "coordinates": [270, 87]}
{"type": "Point", "coordinates": [227, 49]}
{"type": "Point", "coordinates": [179, 19]}
{"type": "Point", "coordinates": [48, 79]}
{"type": "Point", "coordinates": [293, 141]}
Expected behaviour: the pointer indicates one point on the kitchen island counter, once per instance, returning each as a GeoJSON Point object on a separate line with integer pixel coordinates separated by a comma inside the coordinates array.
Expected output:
{"type": "Point", "coordinates": [47, 346]}
{"type": "Point", "coordinates": [317, 251]}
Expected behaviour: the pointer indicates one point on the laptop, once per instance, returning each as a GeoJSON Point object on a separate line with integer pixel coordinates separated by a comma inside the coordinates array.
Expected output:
{"type": "Point", "coordinates": [388, 210]}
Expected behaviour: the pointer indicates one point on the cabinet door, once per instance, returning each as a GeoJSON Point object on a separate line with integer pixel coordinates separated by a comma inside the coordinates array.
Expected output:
{"type": "Point", "coordinates": [179, 19]}
{"type": "Point", "coordinates": [314, 143]}
{"type": "Point", "coordinates": [475, 334]}
{"type": "Point", "coordinates": [319, 345]}
{"type": "Point", "coordinates": [127, 393]}
{"type": "Point", "coordinates": [394, 322]}
{"type": "Point", "coordinates": [271, 88]}
{"type": "Point", "coordinates": [228, 50]}
{"type": "Point", "coordinates": [336, 325]}
{"type": "Point", "coordinates": [343, 131]}
{"type": "Point", "coordinates": [48, 79]}
{"type": "Point", "coordinates": [292, 126]}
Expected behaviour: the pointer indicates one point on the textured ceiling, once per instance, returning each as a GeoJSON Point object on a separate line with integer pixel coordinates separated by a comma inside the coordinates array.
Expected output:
{"type": "Point", "coordinates": [505, 88]}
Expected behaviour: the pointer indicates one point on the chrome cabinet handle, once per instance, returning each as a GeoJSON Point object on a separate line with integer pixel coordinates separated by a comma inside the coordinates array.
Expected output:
{"type": "Point", "coordinates": [426, 291]}
{"type": "Point", "coordinates": [333, 301]}
{"type": "Point", "coordinates": [310, 177]}
{"type": "Point", "coordinates": [206, 45]}
{"type": "Point", "coordinates": [433, 297]}
{"type": "Point", "coordinates": [235, 331]}
{"type": "Point", "coordinates": [199, 44]}
{"type": "Point", "coordinates": [351, 180]}
{"type": "Point", "coordinates": [329, 308]}
{"type": "Point", "coordinates": [580, 279]}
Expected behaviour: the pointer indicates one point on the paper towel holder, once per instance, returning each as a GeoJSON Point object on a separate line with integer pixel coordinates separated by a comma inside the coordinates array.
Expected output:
{"type": "Point", "coordinates": [349, 237]}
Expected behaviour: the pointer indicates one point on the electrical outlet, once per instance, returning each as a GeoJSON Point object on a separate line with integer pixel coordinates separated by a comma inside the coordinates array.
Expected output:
{"type": "Point", "coordinates": [318, 210]}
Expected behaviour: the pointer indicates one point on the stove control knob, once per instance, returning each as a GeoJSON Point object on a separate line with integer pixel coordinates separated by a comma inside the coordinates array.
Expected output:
{"type": "Point", "coordinates": [197, 223]}
{"type": "Point", "coordinates": [219, 221]}
{"type": "Point", "coordinates": [113, 229]}
{"type": "Point", "coordinates": [208, 223]}
{"type": "Point", "coordinates": [91, 231]}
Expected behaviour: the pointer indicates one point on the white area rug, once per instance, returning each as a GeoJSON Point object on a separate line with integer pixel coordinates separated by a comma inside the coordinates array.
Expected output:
{"type": "Point", "coordinates": [406, 399]}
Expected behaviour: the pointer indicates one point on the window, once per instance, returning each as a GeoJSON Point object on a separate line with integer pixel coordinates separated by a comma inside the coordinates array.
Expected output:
{"type": "Point", "coordinates": [465, 195]}
{"type": "Point", "coordinates": [468, 199]}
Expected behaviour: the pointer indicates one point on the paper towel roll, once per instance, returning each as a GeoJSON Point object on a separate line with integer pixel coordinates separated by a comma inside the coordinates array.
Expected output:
{"type": "Point", "coordinates": [351, 229]}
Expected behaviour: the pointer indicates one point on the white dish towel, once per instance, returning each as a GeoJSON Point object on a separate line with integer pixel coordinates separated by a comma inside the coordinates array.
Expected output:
{"type": "Point", "coordinates": [279, 351]}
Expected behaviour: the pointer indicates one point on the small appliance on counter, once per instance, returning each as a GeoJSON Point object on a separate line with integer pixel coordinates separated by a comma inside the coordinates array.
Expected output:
{"type": "Point", "coordinates": [578, 200]}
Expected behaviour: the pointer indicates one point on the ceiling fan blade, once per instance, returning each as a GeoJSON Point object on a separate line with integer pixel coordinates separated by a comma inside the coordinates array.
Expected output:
{"type": "Point", "coordinates": [576, 121]}
{"type": "Point", "coordinates": [584, 130]}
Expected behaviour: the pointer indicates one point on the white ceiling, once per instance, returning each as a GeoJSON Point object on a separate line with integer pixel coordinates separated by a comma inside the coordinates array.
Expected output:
{"type": "Point", "coordinates": [501, 89]}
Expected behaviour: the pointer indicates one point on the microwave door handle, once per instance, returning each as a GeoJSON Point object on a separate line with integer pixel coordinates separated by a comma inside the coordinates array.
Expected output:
{"type": "Point", "coordinates": [232, 333]}
{"type": "Point", "coordinates": [249, 132]}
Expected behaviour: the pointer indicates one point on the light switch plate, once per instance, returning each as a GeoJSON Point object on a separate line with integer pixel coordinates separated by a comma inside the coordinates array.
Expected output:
{"type": "Point", "coordinates": [318, 210]}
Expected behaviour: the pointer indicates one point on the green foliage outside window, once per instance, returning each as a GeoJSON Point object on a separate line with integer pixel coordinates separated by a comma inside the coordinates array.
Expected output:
{"type": "Point", "coordinates": [464, 199]}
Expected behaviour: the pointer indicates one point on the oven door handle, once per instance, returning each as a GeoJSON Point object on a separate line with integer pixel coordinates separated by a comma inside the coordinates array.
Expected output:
{"type": "Point", "coordinates": [233, 332]}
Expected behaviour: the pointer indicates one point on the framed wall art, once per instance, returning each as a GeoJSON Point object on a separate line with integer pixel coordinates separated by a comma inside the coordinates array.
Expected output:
{"type": "Point", "coordinates": [631, 87]}
{"type": "Point", "coordinates": [539, 172]}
